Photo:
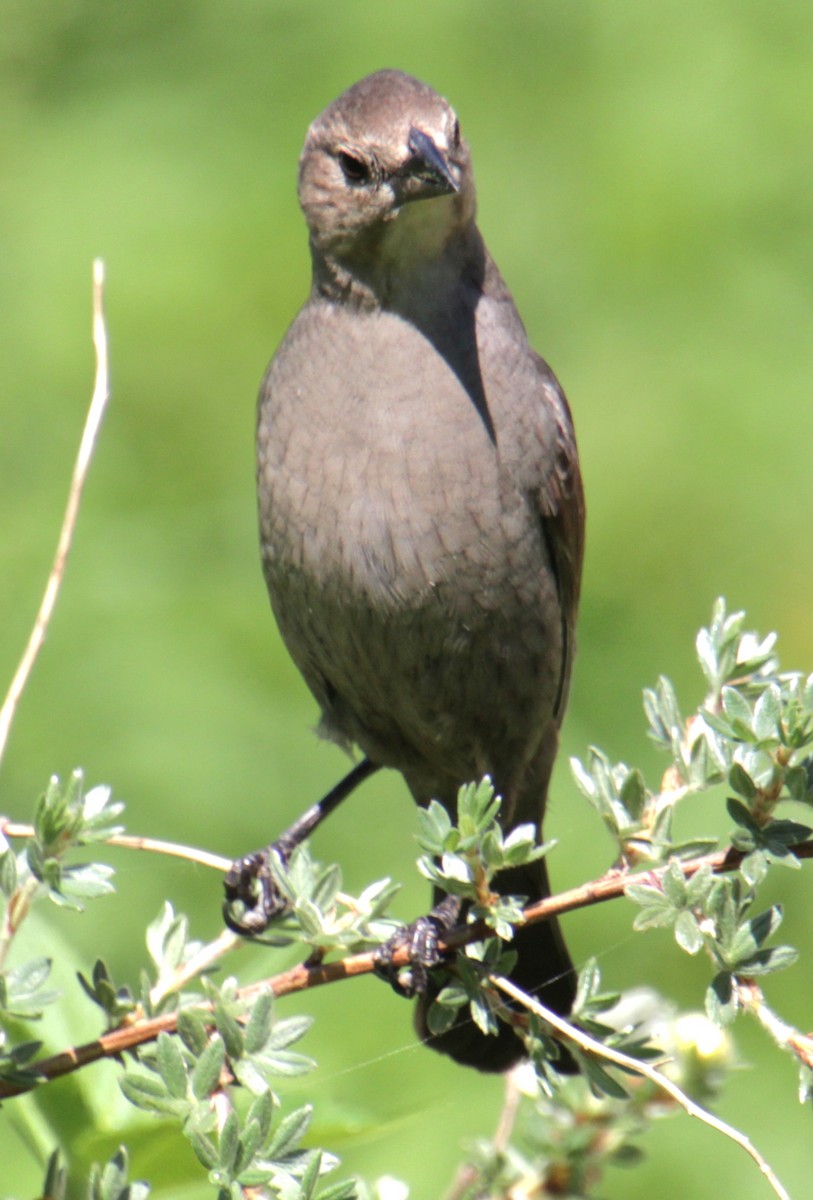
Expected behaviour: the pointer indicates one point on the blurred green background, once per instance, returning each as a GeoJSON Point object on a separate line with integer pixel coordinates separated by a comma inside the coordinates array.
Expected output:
{"type": "Point", "coordinates": [645, 179]}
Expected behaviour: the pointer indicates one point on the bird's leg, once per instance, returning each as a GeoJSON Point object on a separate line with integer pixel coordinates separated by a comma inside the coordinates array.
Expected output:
{"type": "Point", "coordinates": [421, 942]}
{"type": "Point", "coordinates": [249, 882]}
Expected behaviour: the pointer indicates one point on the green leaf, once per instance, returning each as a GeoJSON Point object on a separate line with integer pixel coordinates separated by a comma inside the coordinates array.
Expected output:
{"type": "Point", "coordinates": [634, 795]}
{"type": "Point", "coordinates": [687, 933]}
{"type": "Point", "coordinates": [347, 1189]}
{"type": "Point", "coordinates": [707, 656]}
{"type": "Point", "coordinates": [768, 715]}
{"type": "Point", "coordinates": [600, 1080]}
{"type": "Point", "coordinates": [192, 1031]}
{"type": "Point", "coordinates": [754, 868]}
{"type": "Point", "coordinates": [738, 711]}
{"type": "Point", "coordinates": [205, 1148]}
{"type": "Point", "coordinates": [783, 833]}
{"type": "Point", "coordinates": [171, 1066]}
{"type": "Point", "coordinates": [674, 885]}
{"type": "Point", "coordinates": [206, 1075]}
{"type": "Point", "coordinates": [646, 894]}
{"type": "Point", "coordinates": [8, 873]}
{"type": "Point", "coordinates": [699, 886]}
{"type": "Point", "coordinates": [261, 1112]}
{"type": "Point", "coordinates": [654, 917]}
{"type": "Point", "coordinates": [798, 784]}
{"type": "Point", "coordinates": [148, 1093]}
{"type": "Point", "coordinates": [311, 1173]}
{"type": "Point", "coordinates": [588, 984]}
{"type": "Point", "coordinates": [765, 924]}
{"type": "Point", "coordinates": [522, 837]}
{"type": "Point", "coordinates": [456, 868]}
{"type": "Point", "coordinates": [721, 999]}
{"type": "Point", "coordinates": [88, 880]}
{"type": "Point", "coordinates": [288, 1031]}
{"type": "Point", "coordinates": [765, 962]}
{"type": "Point", "coordinates": [258, 1026]}
{"type": "Point", "coordinates": [742, 816]}
{"type": "Point", "coordinates": [441, 1016]}
{"type": "Point", "coordinates": [30, 976]}
{"type": "Point", "coordinates": [327, 888]}
{"type": "Point", "coordinates": [286, 1063]}
{"type": "Point", "coordinates": [229, 1030]}
{"type": "Point", "coordinates": [741, 781]}
{"type": "Point", "coordinates": [56, 1178]}
{"type": "Point", "coordinates": [692, 849]}
{"type": "Point", "coordinates": [290, 1132]}
{"type": "Point", "coordinates": [434, 825]}
{"type": "Point", "coordinates": [229, 1142]}
{"type": "Point", "coordinates": [482, 1014]}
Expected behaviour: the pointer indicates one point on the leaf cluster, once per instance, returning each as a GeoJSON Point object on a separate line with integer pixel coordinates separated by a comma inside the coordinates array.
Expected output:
{"type": "Point", "coordinates": [319, 914]}
{"type": "Point", "coordinates": [189, 1077]}
{"type": "Point", "coordinates": [65, 819]}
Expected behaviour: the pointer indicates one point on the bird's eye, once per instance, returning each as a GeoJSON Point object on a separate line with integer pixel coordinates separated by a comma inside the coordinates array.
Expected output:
{"type": "Point", "coordinates": [456, 135]}
{"type": "Point", "coordinates": [355, 169]}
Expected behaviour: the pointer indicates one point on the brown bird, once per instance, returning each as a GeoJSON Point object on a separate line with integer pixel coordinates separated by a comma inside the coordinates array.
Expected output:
{"type": "Point", "coordinates": [421, 509]}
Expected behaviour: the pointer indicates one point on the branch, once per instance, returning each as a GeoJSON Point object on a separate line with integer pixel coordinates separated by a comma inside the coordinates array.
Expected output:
{"type": "Point", "coordinates": [98, 403]}
{"type": "Point", "coordinates": [637, 1067]}
{"type": "Point", "coordinates": [608, 887]}
{"type": "Point", "coordinates": [138, 1032]}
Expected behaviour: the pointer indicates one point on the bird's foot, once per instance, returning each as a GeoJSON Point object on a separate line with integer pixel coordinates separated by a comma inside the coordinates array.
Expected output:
{"type": "Point", "coordinates": [408, 973]}
{"type": "Point", "coordinates": [252, 899]}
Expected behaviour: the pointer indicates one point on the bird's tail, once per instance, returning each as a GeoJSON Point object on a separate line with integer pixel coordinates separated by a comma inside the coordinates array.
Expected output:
{"type": "Point", "coordinates": [543, 968]}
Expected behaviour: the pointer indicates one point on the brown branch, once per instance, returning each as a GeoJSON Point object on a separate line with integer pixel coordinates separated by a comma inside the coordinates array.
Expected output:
{"type": "Point", "coordinates": [138, 1032]}
{"type": "Point", "coordinates": [610, 887]}
{"type": "Point", "coordinates": [141, 1031]}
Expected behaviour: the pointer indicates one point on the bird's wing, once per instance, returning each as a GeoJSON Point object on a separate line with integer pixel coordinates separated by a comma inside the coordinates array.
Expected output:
{"type": "Point", "coordinates": [560, 498]}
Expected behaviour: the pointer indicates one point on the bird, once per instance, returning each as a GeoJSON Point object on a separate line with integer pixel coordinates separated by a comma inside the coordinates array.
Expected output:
{"type": "Point", "coordinates": [421, 508]}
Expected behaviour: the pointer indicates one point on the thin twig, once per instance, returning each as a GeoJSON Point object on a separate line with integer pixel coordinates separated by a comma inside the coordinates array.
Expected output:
{"type": "Point", "coordinates": [98, 403]}
{"type": "Point", "coordinates": [607, 887]}
{"type": "Point", "coordinates": [634, 1065]}
{"type": "Point", "coordinates": [204, 858]}
{"type": "Point", "coordinates": [206, 956]}
{"type": "Point", "coordinates": [784, 1035]}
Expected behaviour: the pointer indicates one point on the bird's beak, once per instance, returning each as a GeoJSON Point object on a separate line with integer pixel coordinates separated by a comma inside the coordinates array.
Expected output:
{"type": "Point", "coordinates": [427, 171]}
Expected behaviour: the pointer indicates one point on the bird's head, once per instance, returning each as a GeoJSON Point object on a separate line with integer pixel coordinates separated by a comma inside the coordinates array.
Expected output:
{"type": "Point", "coordinates": [385, 174]}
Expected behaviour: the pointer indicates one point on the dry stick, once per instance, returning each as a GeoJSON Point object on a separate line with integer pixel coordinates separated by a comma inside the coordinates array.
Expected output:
{"type": "Point", "coordinates": [610, 1054]}
{"type": "Point", "coordinates": [101, 392]}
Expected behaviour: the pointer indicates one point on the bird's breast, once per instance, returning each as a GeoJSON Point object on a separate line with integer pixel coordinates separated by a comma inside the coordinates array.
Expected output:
{"type": "Point", "coordinates": [378, 470]}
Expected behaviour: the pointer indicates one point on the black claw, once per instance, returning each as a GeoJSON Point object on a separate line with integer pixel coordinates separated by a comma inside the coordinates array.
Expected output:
{"type": "Point", "coordinates": [420, 939]}
{"type": "Point", "coordinates": [250, 886]}
{"type": "Point", "coordinates": [252, 899]}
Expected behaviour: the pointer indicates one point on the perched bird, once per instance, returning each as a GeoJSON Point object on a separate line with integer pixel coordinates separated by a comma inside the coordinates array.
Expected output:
{"type": "Point", "coordinates": [421, 509]}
